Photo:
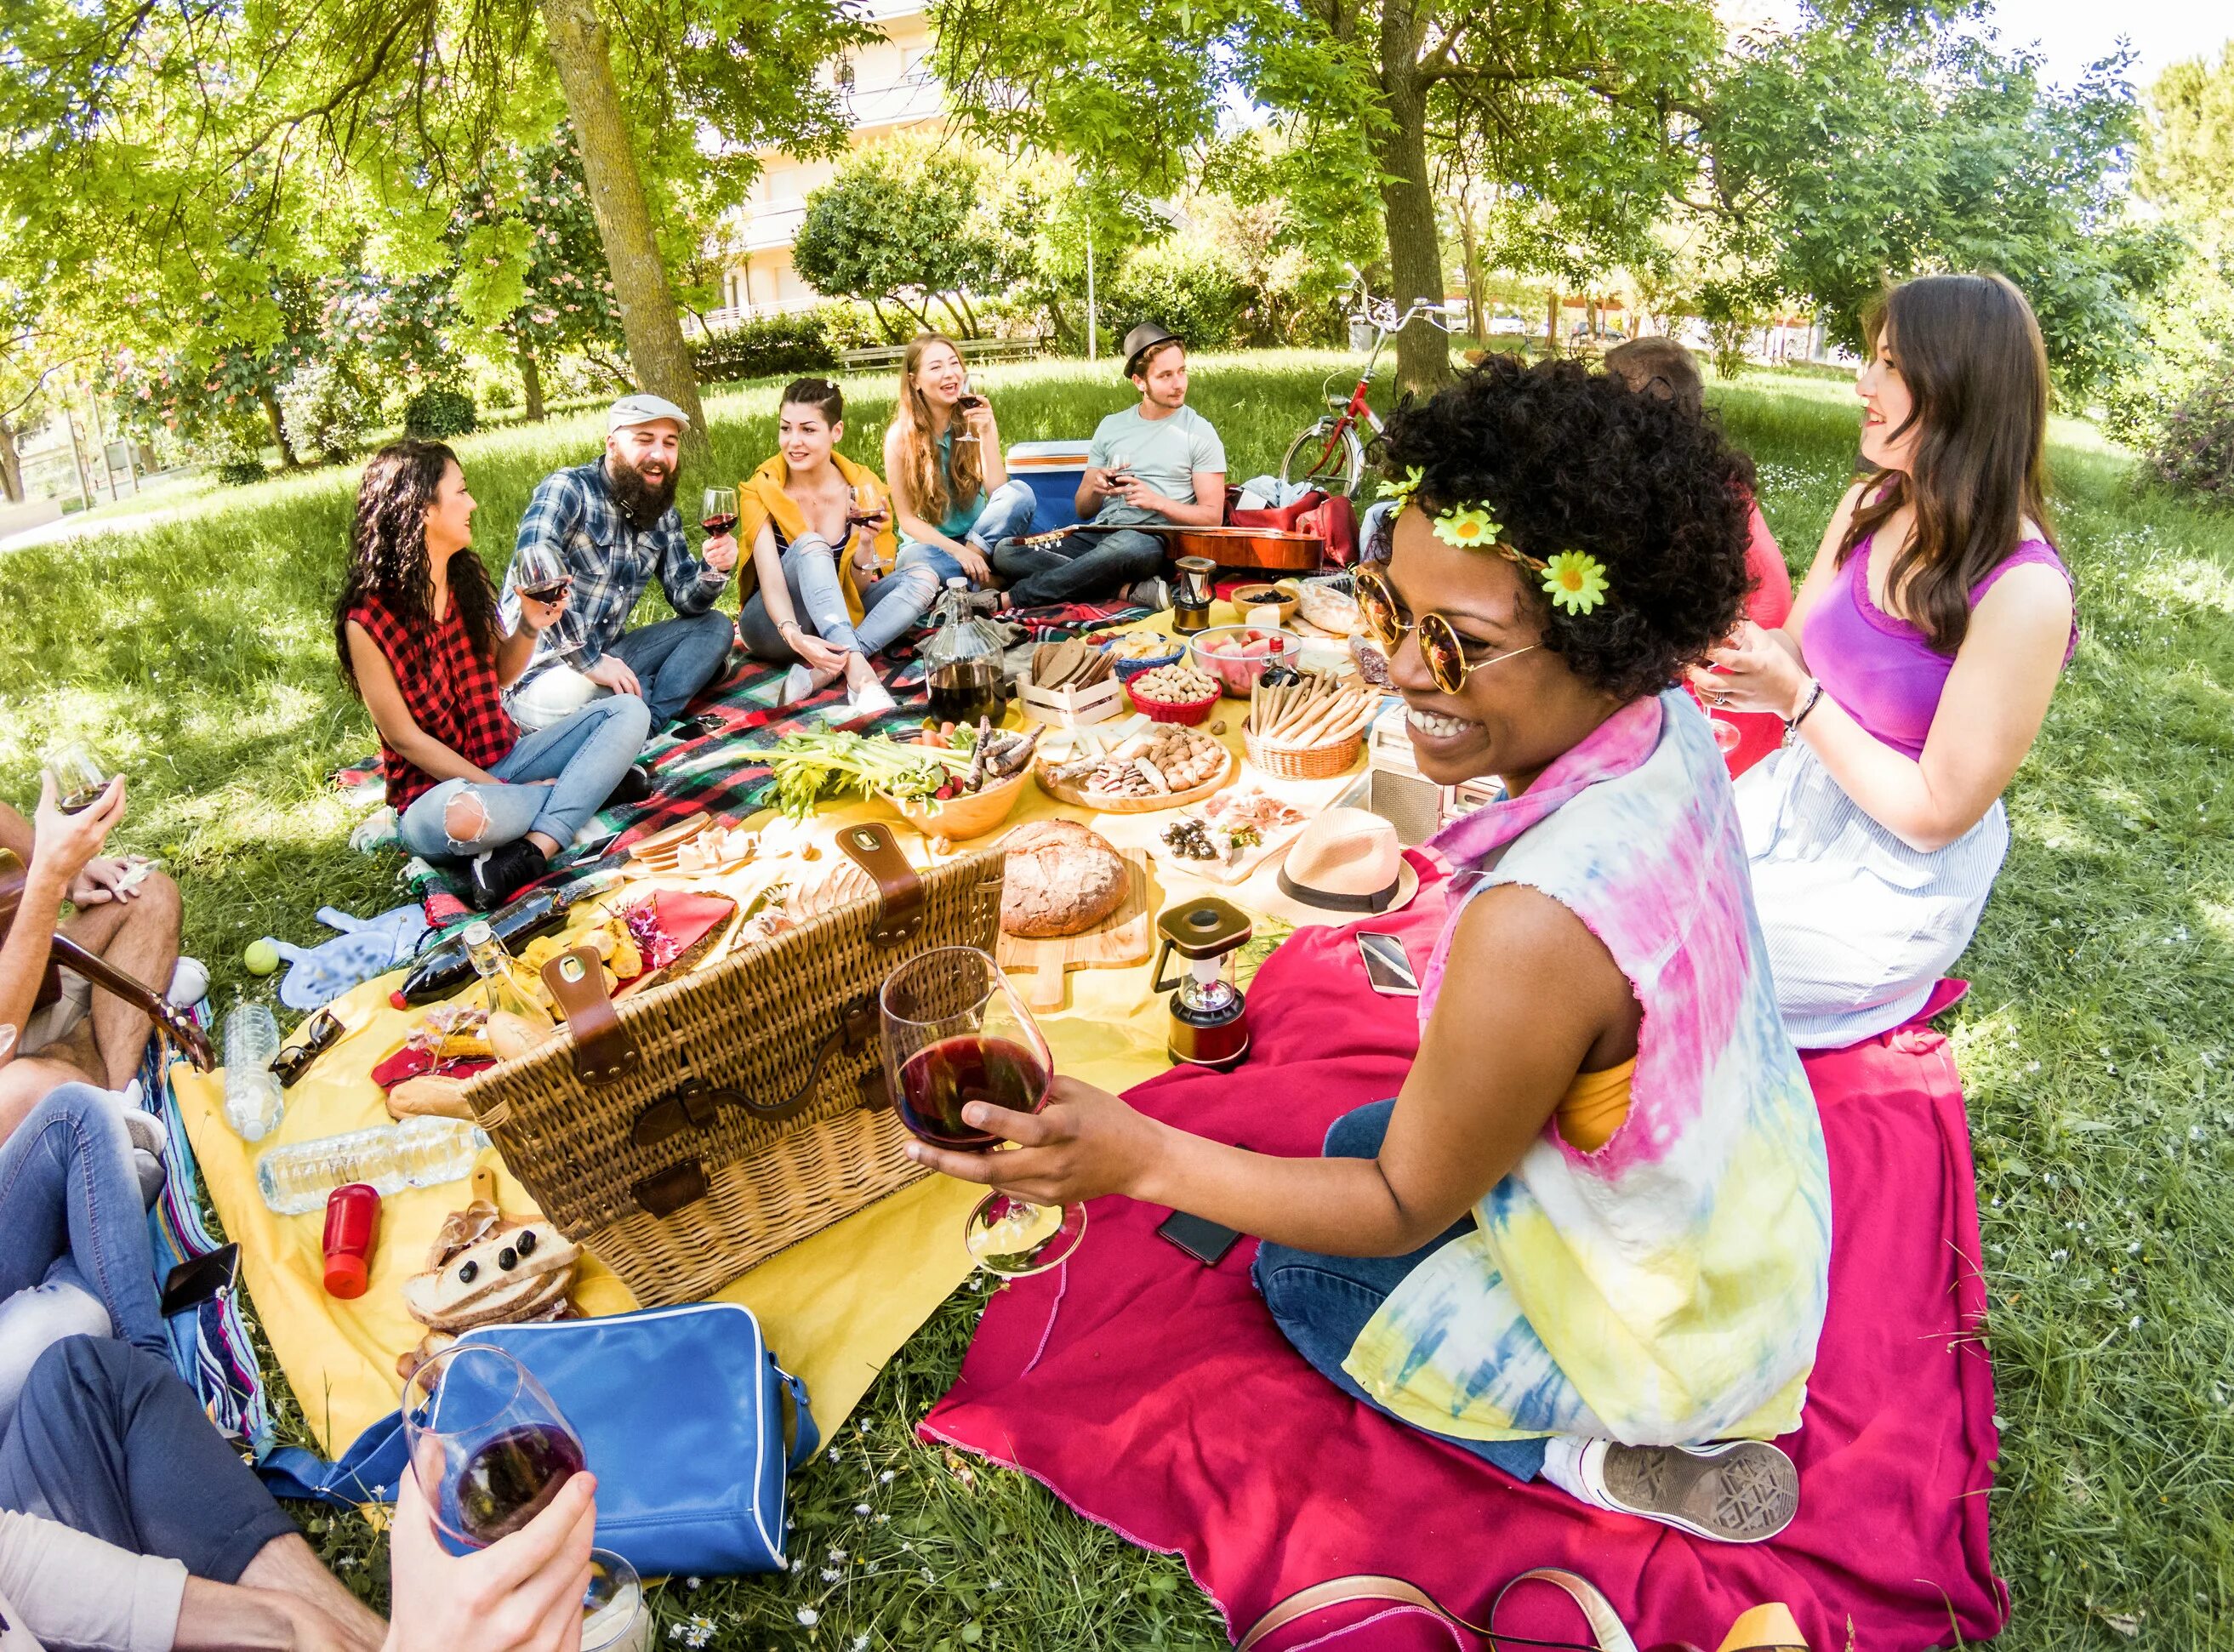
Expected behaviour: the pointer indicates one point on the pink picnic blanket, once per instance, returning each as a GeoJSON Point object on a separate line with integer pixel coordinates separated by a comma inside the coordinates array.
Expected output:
{"type": "Point", "coordinates": [1156, 1396]}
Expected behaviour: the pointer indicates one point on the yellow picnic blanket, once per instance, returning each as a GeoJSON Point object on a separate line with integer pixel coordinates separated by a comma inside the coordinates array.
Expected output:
{"type": "Point", "coordinates": [835, 1307]}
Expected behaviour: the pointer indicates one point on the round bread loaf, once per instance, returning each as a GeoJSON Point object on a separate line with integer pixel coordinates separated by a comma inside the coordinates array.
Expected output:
{"type": "Point", "coordinates": [1060, 879]}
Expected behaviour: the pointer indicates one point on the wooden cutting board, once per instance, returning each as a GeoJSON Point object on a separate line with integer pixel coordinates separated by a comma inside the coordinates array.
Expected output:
{"type": "Point", "coordinates": [1038, 966]}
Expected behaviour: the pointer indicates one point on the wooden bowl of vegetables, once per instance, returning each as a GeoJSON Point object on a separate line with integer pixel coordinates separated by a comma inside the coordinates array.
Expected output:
{"type": "Point", "coordinates": [978, 799]}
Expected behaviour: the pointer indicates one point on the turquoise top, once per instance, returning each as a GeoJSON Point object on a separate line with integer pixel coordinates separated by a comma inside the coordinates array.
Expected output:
{"type": "Point", "coordinates": [962, 514]}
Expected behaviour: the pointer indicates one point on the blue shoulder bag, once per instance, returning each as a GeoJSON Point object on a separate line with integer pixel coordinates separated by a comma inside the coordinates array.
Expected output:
{"type": "Point", "coordinates": [682, 1415]}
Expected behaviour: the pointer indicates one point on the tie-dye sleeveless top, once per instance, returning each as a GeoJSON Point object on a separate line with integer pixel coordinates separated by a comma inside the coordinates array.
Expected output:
{"type": "Point", "coordinates": [1669, 1287]}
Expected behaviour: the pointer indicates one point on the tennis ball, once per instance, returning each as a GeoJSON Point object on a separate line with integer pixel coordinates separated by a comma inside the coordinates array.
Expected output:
{"type": "Point", "coordinates": [261, 957]}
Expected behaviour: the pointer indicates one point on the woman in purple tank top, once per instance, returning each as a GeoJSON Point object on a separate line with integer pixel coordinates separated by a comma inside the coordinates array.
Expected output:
{"type": "Point", "coordinates": [1914, 671]}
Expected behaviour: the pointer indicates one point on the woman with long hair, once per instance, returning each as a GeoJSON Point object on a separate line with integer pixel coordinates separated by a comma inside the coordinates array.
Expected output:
{"type": "Point", "coordinates": [828, 596]}
{"type": "Point", "coordinates": [419, 641]}
{"type": "Point", "coordinates": [1590, 1238]}
{"type": "Point", "coordinates": [1915, 668]}
{"type": "Point", "coordinates": [952, 490]}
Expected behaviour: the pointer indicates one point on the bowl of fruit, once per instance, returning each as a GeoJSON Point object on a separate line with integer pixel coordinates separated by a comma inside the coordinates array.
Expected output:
{"type": "Point", "coordinates": [1137, 651]}
{"type": "Point", "coordinates": [1238, 655]}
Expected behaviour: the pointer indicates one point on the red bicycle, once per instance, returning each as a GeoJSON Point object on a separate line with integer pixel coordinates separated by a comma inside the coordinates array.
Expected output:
{"type": "Point", "coordinates": [1329, 454]}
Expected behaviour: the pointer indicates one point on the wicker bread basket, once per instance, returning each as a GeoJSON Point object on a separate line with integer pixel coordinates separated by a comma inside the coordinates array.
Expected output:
{"type": "Point", "coordinates": [1303, 762]}
{"type": "Point", "coordinates": [697, 1127]}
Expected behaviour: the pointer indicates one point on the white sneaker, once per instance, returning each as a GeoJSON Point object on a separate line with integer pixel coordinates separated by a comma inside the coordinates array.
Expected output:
{"type": "Point", "coordinates": [797, 684]}
{"type": "Point", "coordinates": [190, 980]}
{"type": "Point", "coordinates": [871, 699]}
{"type": "Point", "coordinates": [1737, 1491]}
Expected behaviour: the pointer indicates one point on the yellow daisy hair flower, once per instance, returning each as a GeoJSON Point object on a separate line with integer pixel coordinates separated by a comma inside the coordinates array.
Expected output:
{"type": "Point", "coordinates": [1576, 581]}
{"type": "Point", "coordinates": [1468, 527]}
{"type": "Point", "coordinates": [1401, 491]}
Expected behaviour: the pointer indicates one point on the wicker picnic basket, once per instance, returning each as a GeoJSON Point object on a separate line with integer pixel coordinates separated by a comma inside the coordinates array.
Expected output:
{"type": "Point", "coordinates": [697, 1127]}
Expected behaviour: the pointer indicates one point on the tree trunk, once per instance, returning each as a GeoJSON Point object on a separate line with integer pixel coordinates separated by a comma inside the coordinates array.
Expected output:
{"type": "Point", "coordinates": [1550, 323]}
{"type": "Point", "coordinates": [278, 428]}
{"type": "Point", "coordinates": [582, 53]}
{"type": "Point", "coordinates": [1476, 315]}
{"type": "Point", "coordinates": [11, 464]}
{"type": "Point", "coordinates": [531, 382]}
{"type": "Point", "coordinates": [1407, 201]}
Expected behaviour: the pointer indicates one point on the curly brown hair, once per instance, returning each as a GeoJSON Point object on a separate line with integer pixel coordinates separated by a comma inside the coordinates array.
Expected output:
{"type": "Point", "coordinates": [1566, 460]}
{"type": "Point", "coordinates": [388, 553]}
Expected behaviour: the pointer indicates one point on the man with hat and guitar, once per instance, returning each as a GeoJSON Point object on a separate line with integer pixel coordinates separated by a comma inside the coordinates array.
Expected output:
{"type": "Point", "coordinates": [1157, 463]}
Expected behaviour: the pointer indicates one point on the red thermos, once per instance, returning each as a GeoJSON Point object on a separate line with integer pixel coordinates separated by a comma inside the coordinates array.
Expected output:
{"type": "Point", "coordinates": [352, 1229]}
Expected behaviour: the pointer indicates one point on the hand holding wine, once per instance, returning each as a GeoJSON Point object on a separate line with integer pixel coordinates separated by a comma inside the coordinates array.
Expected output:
{"type": "Point", "coordinates": [974, 412]}
{"type": "Point", "coordinates": [540, 574]}
{"type": "Point", "coordinates": [958, 1037]}
{"type": "Point", "coordinates": [718, 516]}
{"type": "Point", "coordinates": [63, 840]}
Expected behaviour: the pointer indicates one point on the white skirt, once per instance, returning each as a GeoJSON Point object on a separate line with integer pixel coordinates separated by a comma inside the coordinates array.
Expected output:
{"type": "Point", "coordinates": [1859, 925]}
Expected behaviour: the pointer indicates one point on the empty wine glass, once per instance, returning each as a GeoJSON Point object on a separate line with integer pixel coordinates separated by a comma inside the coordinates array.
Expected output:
{"type": "Point", "coordinates": [956, 1032]}
{"type": "Point", "coordinates": [490, 1447]}
{"type": "Point", "coordinates": [82, 774]}
{"type": "Point", "coordinates": [1726, 735]}
{"type": "Point", "coordinates": [539, 572]}
{"type": "Point", "coordinates": [719, 514]}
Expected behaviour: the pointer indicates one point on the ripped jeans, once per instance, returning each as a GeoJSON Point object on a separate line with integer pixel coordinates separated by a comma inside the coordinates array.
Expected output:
{"type": "Point", "coordinates": [582, 759]}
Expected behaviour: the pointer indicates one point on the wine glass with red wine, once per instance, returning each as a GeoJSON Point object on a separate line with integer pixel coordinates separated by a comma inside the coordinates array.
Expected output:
{"type": "Point", "coordinates": [719, 515]}
{"type": "Point", "coordinates": [490, 1447]}
{"type": "Point", "coordinates": [956, 1032]}
{"type": "Point", "coordinates": [539, 572]}
{"type": "Point", "coordinates": [81, 775]}
{"type": "Point", "coordinates": [966, 404]}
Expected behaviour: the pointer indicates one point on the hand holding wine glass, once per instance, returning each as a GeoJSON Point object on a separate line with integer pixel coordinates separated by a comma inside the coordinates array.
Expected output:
{"type": "Point", "coordinates": [975, 412]}
{"type": "Point", "coordinates": [63, 841]}
{"type": "Point", "coordinates": [957, 1037]}
{"type": "Point", "coordinates": [718, 516]}
{"type": "Point", "coordinates": [540, 576]}
{"type": "Point", "coordinates": [522, 1592]}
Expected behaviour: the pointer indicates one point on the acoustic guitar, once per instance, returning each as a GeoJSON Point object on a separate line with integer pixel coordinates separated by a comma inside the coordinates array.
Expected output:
{"type": "Point", "coordinates": [1264, 550]}
{"type": "Point", "coordinates": [174, 1021]}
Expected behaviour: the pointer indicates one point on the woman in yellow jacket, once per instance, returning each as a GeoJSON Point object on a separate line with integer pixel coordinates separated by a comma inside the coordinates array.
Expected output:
{"type": "Point", "coordinates": [823, 548]}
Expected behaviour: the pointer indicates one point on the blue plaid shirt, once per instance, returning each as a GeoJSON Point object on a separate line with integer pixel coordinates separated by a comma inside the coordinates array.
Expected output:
{"type": "Point", "coordinates": [611, 561]}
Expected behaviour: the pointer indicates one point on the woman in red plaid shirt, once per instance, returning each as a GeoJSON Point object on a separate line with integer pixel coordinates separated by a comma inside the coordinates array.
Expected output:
{"type": "Point", "coordinates": [422, 643]}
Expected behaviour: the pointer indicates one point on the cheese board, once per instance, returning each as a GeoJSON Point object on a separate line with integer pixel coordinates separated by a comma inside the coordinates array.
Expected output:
{"type": "Point", "coordinates": [1040, 966]}
{"type": "Point", "coordinates": [1153, 766]}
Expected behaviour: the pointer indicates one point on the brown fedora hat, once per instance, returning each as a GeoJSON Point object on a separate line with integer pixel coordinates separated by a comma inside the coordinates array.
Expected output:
{"type": "Point", "coordinates": [1143, 338]}
{"type": "Point", "coordinates": [1347, 863]}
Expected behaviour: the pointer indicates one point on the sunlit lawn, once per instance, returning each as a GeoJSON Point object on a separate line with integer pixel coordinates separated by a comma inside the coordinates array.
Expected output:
{"type": "Point", "coordinates": [2093, 1048]}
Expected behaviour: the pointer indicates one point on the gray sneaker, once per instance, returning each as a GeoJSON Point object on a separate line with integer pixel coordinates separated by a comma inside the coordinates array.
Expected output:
{"type": "Point", "coordinates": [1739, 1491]}
{"type": "Point", "coordinates": [1151, 594]}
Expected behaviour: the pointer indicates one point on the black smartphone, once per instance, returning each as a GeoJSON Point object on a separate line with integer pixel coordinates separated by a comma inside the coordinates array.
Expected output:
{"type": "Point", "coordinates": [1205, 1241]}
{"type": "Point", "coordinates": [1388, 969]}
{"type": "Point", "coordinates": [192, 1283]}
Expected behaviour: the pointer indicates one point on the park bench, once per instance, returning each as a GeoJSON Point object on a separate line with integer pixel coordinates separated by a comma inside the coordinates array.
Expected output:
{"type": "Point", "coordinates": [978, 350]}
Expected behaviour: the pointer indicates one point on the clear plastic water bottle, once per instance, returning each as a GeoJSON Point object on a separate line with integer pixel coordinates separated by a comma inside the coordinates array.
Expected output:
{"type": "Point", "coordinates": [418, 1152]}
{"type": "Point", "coordinates": [251, 1088]}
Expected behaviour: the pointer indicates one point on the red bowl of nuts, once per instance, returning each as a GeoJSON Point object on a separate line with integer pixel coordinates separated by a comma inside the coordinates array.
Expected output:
{"type": "Point", "coordinates": [1174, 694]}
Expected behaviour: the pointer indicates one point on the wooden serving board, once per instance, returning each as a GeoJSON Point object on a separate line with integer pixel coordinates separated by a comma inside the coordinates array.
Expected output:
{"type": "Point", "coordinates": [1062, 791]}
{"type": "Point", "coordinates": [1039, 966]}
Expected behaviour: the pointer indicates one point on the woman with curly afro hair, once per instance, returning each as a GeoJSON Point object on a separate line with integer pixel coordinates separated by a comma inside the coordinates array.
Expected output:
{"type": "Point", "coordinates": [1590, 1238]}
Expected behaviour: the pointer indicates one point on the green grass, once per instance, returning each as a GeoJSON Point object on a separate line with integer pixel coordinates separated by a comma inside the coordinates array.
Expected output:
{"type": "Point", "coordinates": [2094, 1046]}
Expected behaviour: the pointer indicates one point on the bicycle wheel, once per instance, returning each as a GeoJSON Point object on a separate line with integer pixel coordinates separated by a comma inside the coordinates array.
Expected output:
{"type": "Point", "coordinates": [1328, 454]}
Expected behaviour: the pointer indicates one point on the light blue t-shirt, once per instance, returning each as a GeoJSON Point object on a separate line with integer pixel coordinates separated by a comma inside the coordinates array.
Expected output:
{"type": "Point", "coordinates": [1163, 453]}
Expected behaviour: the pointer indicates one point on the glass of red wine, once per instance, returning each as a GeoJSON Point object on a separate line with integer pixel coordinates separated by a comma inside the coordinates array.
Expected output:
{"type": "Point", "coordinates": [719, 515]}
{"type": "Point", "coordinates": [956, 1032]}
{"type": "Point", "coordinates": [81, 775]}
{"type": "Point", "coordinates": [539, 574]}
{"type": "Point", "coordinates": [966, 404]}
{"type": "Point", "coordinates": [490, 1447]}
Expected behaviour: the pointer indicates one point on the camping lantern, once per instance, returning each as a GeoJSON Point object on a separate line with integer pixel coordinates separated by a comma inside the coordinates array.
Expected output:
{"type": "Point", "coordinates": [1209, 1025]}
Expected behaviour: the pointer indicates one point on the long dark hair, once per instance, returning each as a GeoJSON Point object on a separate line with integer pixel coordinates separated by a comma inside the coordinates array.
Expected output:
{"type": "Point", "coordinates": [387, 552]}
{"type": "Point", "coordinates": [1969, 350]}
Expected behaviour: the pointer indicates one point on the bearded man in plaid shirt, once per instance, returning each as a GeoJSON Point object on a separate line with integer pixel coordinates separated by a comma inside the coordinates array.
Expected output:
{"type": "Point", "coordinates": [613, 524]}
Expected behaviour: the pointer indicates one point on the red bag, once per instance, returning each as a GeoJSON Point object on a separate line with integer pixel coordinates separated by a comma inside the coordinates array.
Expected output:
{"type": "Point", "coordinates": [1287, 518]}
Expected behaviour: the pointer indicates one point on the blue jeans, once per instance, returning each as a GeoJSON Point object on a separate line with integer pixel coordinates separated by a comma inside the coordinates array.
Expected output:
{"type": "Point", "coordinates": [74, 1257]}
{"type": "Point", "coordinates": [584, 757]}
{"type": "Point", "coordinates": [675, 659]}
{"type": "Point", "coordinates": [1321, 1304]}
{"type": "Point", "coordinates": [891, 605]}
{"type": "Point", "coordinates": [1080, 567]}
{"type": "Point", "coordinates": [109, 1442]}
{"type": "Point", "coordinates": [1006, 514]}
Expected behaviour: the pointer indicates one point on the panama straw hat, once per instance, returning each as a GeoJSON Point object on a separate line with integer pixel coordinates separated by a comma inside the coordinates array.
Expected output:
{"type": "Point", "coordinates": [1347, 863]}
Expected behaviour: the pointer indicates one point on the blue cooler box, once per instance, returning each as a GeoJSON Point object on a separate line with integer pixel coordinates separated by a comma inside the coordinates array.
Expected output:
{"type": "Point", "coordinates": [1052, 471]}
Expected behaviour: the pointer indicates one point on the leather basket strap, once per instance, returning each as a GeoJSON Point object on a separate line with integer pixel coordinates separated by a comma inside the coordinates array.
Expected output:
{"type": "Point", "coordinates": [900, 887]}
{"type": "Point", "coordinates": [1606, 1628]}
{"type": "Point", "coordinates": [603, 1049]}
